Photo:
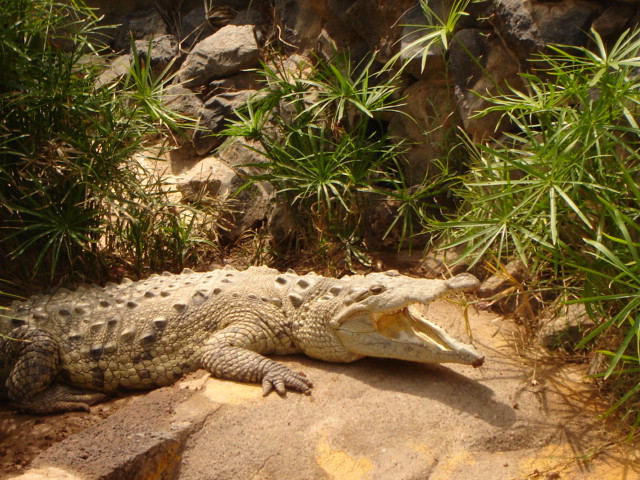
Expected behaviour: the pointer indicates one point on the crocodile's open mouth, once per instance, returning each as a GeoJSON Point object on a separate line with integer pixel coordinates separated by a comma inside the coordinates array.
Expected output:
{"type": "Point", "coordinates": [405, 334]}
{"type": "Point", "coordinates": [431, 332]}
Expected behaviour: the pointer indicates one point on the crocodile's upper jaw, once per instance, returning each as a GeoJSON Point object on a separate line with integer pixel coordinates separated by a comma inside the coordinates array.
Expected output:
{"type": "Point", "coordinates": [390, 321]}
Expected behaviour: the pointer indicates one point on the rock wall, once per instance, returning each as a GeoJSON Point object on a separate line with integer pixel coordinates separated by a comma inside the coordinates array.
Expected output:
{"type": "Point", "coordinates": [213, 44]}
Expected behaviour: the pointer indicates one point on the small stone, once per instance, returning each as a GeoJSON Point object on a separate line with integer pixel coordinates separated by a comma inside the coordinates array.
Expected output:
{"type": "Point", "coordinates": [231, 49]}
{"type": "Point", "coordinates": [513, 273]}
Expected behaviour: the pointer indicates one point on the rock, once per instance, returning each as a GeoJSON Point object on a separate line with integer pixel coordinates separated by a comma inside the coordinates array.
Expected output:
{"type": "Point", "coordinates": [194, 27]}
{"type": "Point", "coordinates": [416, 24]}
{"type": "Point", "coordinates": [226, 52]}
{"type": "Point", "coordinates": [185, 102]}
{"type": "Point", "coordinates": [239, 4]}
{"type": "Point", "coordinates": [377, 21]}
{"type": "Point", "coordinates": [239, 81]}
{"type": "Point", "coordinates": [117, 68]}
{"type": "Point", "coordinates": [379, 214]}
{"type": "Point", "coordinates": [141, 24]}
{"type": "Point", "coordinates": [499, 71]}
{"type": "Point", "coordinates": [434, 267]}
{"type": "Point", "coordinates": [566, 328]}
{"type": "Point", "coordinates": [565, 22]}
{"type": "Point", "coordinates": [164, 51]}
{"type": "Point", "coordinates": [513, 273]}
{"type": "Point", "coordinates": [221, 107]}
{"type": "Point", "coordinates": [182, 158]}
{"type": "Point", "coordinates": [615, 19]}
{"type": "Point", "coordinates": [335, 37]}
{"type": "Point", "coordinates": [528, 26]}
{"type": "Point", "coordinates": [130, 443]}
{"type": "Point", "coordinates": [506, 293]}
{"type": "Point", "coordinates": [206, 178]}
{"type": "Point", "coordinates": [243, 210]}
{"type": "Point", "coordinates": [281, 222]}
{"type": "Point", "coordinates": [204, 142]}
{"type": "Point", "coordinates": [412, 57]}
{"type": "Point", "coordinates": [253, 207]}
{"type": "Point", "coordinates": [300, 22]}
{"type": "Point", "coordinates": [379, 234]}
{"type": "Point", "coordinates": [209, 177]}
{"type": "Point", "coordinates": [428, 125]}
{"type": "Point", "coordinates": [242, 152]}
{"type": "Point", "coordinates": [282, 225]}
{"type": "Point", "coordinates": [213, 118]}
{"type": "Point", "coordinates": [249, 16]}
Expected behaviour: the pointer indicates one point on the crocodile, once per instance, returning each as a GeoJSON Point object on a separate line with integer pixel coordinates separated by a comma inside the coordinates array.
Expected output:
{"type": "Point", "coordinates": [69, 350]}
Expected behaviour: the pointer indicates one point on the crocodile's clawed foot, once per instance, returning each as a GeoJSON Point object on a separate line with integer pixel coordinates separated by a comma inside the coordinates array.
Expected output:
{"type": "Point", "coordinates": [282, 379]}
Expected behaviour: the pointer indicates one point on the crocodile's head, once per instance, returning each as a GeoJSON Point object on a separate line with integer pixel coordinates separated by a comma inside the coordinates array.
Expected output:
{"type": "Point", "coordinates": [385, 315]}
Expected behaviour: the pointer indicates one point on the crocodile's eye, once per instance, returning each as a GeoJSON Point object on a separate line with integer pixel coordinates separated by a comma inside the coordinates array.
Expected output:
{"type": "Point", "coordinates": [376, 289]}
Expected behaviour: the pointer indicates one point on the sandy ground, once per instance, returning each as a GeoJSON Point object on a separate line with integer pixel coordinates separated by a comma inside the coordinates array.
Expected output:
{"type": "Point", "coordinates": [526, 414]}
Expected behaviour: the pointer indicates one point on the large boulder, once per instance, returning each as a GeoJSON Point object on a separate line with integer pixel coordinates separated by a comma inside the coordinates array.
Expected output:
{"type": "Point", "coordinates": [427, 126]}
{"type": "Point", "coordinates": [300, 22]}
{"type": "Point", "coordinates": [528, 26]}
{"type": "Point", "coordinates": [615, 19]}
{"type": "Point", "coordinates": [228, 51]}
{"type": "Point", "coordinates": [141, 24]}
{"type": "Point", "coordinates": [214, 115]}
{"type": "Point", "coordinates": [422, 54]}
{"type": "Point", "coordinates": [379, 22]}
{"type": "Point", "coordinates": [194, 27]}
{"type": "Point", "coordinates": [244, 208]}
{"type": "Point", "coordinates": [164, 52]}
{"type": "Point", "coordinates": [186, 103]}
{"type": "Point", "coordinates": [481, 66]}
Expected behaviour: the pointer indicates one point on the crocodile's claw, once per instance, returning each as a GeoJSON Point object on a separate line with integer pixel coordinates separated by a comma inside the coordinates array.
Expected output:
{"type": "Point", "coordinates": [282, 378]}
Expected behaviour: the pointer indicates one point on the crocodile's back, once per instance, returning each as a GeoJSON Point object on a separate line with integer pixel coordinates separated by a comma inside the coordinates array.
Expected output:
{"type": "Point", "coordinates": [132, 335]}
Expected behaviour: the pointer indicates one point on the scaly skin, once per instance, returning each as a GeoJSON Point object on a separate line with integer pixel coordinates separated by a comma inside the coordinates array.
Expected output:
{"type": "Point", "coordinates": [65, 351]}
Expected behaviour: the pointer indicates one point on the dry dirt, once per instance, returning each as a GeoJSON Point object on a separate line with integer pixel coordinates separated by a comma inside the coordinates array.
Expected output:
{"type": "Point", "coordinates": [526, 414]}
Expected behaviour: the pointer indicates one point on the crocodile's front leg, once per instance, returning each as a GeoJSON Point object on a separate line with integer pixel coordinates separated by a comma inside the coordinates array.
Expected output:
{"type": "Point", "coordinates": [33, 354]}
{"type": "Point", "coordinates": [235, 353]}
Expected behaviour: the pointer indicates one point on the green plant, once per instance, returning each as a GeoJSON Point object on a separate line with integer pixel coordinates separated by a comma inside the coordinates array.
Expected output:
{"type": "Point", "coordinates": [436, 33]}
{"type": "Point", "coordinates": [560, 191]}
{"type": "Point", "coordinates": [161, 234]}
{"type": "Point", "coordinates": [417, 205]}
{"type": "Point", "coordinates": [317, 127]}
{"type": "Point", "coordinates": [67, 140]}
